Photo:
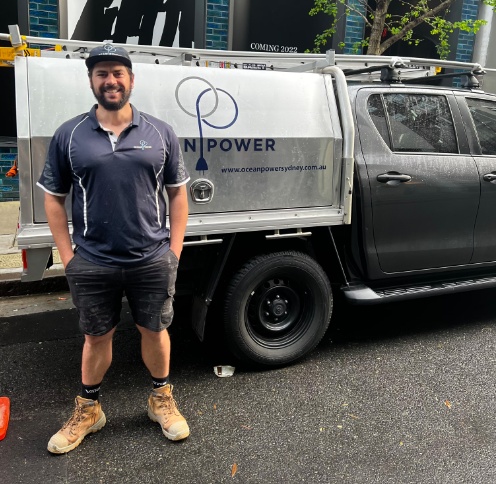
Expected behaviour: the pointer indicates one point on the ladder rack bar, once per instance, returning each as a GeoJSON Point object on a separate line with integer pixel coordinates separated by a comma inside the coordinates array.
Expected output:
{"type": "Point", "coordinates": [290, 61]}
{"type": "Point", "coordinates": [84, 45]}
{"type": "Point", "coordinates": [342, 59]}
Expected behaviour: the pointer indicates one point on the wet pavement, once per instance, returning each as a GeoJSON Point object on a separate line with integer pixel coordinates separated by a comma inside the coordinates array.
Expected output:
{"type": "Point", "coordinates": [394, 394]}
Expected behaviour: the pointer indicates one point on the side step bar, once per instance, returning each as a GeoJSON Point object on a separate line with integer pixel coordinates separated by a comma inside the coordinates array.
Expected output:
{"type": "Point", "coordinates": [361, 294]}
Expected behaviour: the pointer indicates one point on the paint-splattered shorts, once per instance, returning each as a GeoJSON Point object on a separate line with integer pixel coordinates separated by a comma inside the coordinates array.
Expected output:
{"type": "Point", "coordinates": [97, 293]}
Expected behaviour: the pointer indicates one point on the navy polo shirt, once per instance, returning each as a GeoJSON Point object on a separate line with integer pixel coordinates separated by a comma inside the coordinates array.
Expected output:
{"type": "Point", "coordinates": [118, 199]}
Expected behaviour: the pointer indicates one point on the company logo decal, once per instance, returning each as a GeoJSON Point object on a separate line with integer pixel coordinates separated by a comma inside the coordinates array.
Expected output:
{"type": "Point", "coordinates": [109, 48]}
{"type": "Point", "coordinates": [201, 164]}
{"type": "Point", "coordinates": [143, 145]}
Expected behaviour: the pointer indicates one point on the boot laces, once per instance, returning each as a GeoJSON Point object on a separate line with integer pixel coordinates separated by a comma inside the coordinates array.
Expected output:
{"type": "Point", "coordinates": [76, 418]}
{"type": "Point", "coordinates": [167, 404]}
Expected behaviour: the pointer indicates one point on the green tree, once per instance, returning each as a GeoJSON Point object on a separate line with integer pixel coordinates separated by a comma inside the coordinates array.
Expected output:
{"type": "Point", "coordinates": [400, 27]}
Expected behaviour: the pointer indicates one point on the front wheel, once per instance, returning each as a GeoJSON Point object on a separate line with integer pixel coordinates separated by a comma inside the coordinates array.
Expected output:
{"type": "Point", "coordinates": [277, 308]}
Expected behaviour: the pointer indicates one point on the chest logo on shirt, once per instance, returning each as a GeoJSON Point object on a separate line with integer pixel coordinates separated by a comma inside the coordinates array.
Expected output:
{"type": "Point", "coordinates": [143, 145]}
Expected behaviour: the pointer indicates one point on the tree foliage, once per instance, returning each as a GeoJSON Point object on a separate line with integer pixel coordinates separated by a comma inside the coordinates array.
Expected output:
{"type": "Point", "coordinates": [400, 27]}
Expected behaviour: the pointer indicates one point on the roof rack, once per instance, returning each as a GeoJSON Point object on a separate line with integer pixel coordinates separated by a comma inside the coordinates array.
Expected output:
{"type": "Point", "coordinates": [368, 68]}
{"type": "Point", "coordinates": [413, 70]}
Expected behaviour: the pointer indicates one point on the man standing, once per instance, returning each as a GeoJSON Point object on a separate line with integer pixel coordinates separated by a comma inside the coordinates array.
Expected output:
{"type": "Point", "coordinates": [117, 161]}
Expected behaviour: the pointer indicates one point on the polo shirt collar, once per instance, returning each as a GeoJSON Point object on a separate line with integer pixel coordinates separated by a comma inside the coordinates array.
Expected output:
{"type": "Point", "coordinates": [96, 125]}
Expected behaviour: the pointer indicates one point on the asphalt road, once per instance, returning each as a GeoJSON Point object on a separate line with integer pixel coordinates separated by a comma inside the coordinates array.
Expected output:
{"type": "Point", "coordinates": [394, 394]}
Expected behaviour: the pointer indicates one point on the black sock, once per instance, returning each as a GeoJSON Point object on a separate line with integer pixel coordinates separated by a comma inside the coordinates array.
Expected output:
{"type": "Point", "coordinates": [160, 382]}
{"type": "Point", "coordinates": [90, 391]}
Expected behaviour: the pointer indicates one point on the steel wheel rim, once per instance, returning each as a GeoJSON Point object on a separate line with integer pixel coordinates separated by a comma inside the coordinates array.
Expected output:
{"type": "Point", "coordinates": [278, 312]}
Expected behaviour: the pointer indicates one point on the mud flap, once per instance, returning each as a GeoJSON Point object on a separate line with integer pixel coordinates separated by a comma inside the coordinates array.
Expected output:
{"type": "Point", "coordinates": [35, 263]}
{"type": "Point", "coordinates": [202, 302]}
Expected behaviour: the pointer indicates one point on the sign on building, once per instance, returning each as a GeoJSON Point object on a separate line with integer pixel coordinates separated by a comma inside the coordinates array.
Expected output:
{"type": "Point", "coordinates": [177, 23]}
{"type": "Point", "coordinates": [275, 25]}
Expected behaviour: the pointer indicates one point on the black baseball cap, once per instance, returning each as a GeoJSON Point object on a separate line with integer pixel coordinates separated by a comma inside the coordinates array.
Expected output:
{"type": "Point", "coordinates": [108, 52]}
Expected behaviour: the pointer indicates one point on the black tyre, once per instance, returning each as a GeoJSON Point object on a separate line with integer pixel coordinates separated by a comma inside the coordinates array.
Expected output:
{"type": "Point", "coordinates": [277, 308]}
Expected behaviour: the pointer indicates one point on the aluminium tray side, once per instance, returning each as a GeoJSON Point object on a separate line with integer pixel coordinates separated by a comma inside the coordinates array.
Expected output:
{"type": "Point", "coordinates": [267, 142]}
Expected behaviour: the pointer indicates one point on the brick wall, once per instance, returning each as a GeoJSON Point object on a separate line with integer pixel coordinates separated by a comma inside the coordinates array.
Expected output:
{"type": "Point", "coordinates": [44, 18]}
{"type": "Point", "coordinates": [465, 46]}
{"type": "Point", "coordinates": [217, 25]}
{"type": "Point", "coordinates": [354, 27]}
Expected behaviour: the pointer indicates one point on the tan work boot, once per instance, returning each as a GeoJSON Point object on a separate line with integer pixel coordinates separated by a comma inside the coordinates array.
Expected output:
{"type": "Point", "coordinates": [88, 417]}
{"type": "Point", "coordinates": [162, 408]}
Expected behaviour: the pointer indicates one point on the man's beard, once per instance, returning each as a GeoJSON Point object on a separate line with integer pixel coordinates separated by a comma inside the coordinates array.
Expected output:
{"type": "Point", "coordinates": [112, 105]}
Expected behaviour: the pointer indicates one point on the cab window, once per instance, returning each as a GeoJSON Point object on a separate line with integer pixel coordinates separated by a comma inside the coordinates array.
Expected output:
{"type": "Point", "coordinates": [415, 122]}
{"type": "Point", "coordinates": [484, 118]}
{"type": "Point", "coordinates": [376, 111]}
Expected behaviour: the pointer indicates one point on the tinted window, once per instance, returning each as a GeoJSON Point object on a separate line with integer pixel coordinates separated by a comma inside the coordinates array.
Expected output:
{"type": "Point", "coordinates": [417, 123]}
{"type": "Point", "coordinates": [484, 117]}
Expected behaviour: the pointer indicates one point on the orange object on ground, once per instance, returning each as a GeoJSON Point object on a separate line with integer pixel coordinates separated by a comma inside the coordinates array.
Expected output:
{"type": "Point", "coordinates": [13, 171]}
{"type": "Point", "coordinates": [4, 416]}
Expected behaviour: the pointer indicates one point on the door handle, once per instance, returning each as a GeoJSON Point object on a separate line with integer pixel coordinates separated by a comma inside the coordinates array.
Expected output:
{"type": "Point", "coordinates": [394, 177]}
{"type": "Point", "coordinates": [489, 177]}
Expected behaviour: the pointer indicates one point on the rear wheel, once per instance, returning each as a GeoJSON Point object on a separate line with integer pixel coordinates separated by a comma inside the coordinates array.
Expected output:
{"type": "Point", "coordinates": [277, 308]}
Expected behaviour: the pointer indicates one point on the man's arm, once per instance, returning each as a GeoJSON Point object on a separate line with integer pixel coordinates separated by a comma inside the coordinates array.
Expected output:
{"type": "Point", "coordinates": [178, 217]}
{"type": "Point", "coordinates": [58, 223]}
